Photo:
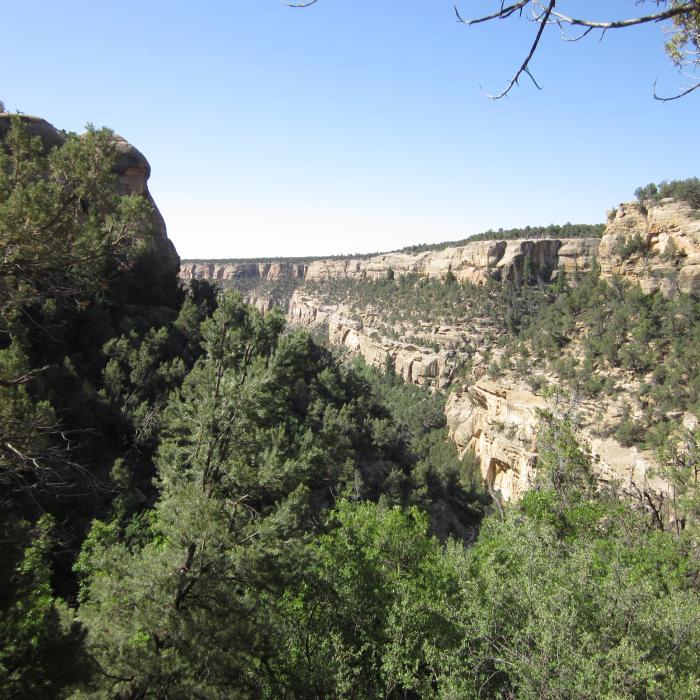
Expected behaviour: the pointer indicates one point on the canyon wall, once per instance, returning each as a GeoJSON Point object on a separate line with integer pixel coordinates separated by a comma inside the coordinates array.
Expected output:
{"type": "Point", "coordinates": [416, 364]}
{"type": "Point", "coordinates": [655, 244]}
{"type": "Point", "coordinates": [474, 262]}
{"type": "Point", "coordinates": [249, 270]}
{"type": "Point", "coordinates": [498, 421]}
{"type": "Point", "coordinates": [667, 254]}
{"type": "Point", "coordinates": [668, 259]}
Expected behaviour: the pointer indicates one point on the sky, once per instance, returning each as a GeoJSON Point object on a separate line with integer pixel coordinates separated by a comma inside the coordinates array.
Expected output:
{"type": "Point", "coordinates": [354, 125]}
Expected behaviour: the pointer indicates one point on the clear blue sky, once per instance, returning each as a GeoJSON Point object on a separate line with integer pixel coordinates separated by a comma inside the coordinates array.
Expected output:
{"type": "Point", "coordinates": [353, 125]}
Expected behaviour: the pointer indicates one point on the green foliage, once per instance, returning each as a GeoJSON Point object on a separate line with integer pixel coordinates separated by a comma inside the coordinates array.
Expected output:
{"type": "Point", "coordinates": [619, 332]}
{"type": "Point", "coordinates": [606, 613]}
{"type": "Point", "coordinates": [248, 518]}
{"type": "Point", "coordinates": [681, 190]}
{"type": "Point", "coordinates": [371, 607]}
{"type": "Point", "coordinates": [567, 230]}
{"type": "Point", "coordinates": [40, 644]}
{"type": "Point", "coordinates": [421, 303]}
{"type": "Point", "coordinates": [680, 459]}
{"type": "Point", "coordinates": [563, 465]}
{"type": "Point", "coordinates": [633, 245]}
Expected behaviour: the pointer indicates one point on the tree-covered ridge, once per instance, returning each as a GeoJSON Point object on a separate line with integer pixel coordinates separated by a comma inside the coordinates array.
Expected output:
{"type": "Point", "coordinates": [567, 230]}
{"type": "Point", "coordinates": [598, 336]}
{"type": "Point", "coordinates": [415, 302]}
{"type": "Point", "coordinates": [681, 190]}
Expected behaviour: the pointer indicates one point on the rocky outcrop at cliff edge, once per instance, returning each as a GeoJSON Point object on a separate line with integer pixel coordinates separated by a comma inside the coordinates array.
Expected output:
{"type": "Point", "coordinates": [132, 169]}
{"type": "Point", "coordinates": [655, 244]}
{"type": "Point", "coordinates": [668, 258]}
{"type": "Point", "coordinates": [264, 271]}
{"type": "Point", "coordinates": [414, 363]}
{"type": "Point", "coordinates": [498, 422]}
{"type": "Point", "coordinates": [474, 262]}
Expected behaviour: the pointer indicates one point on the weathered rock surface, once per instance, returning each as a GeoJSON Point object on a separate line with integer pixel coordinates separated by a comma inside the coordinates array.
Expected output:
{"type": "Point", "coordinates": [264, 271]}
{"type": "Point", "coordinates": [131, 167]}
{"type": "Point", "coordinates": [670, 261]}
{"type": "Point", "coordinates": [669, 231]}
{"type": "Point", "coordinates": [474, 262]}
{"type": "Point", "coordinates": [498, 422]}
{"type": "Point", "coordinates": [499, 425]}
{"type": "Point", "coordinates": [415, 364]}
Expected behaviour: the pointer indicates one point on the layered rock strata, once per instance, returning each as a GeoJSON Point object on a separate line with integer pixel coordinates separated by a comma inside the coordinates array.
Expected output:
{"type": "Point", "coordinates": [415, 364]}
{"type": "Point", "coordinates": [667, 254]}
{"type": "Point", "coordinates": [498, 422]}
{"type": "Point", "coordinates": [667, 260]}
{"type": "Point", "coordinates": [264, 271]}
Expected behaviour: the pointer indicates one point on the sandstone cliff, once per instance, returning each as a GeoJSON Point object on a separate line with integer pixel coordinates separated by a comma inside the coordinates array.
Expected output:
{"type": "Point", "coordinates": [132, 169]}
{"type": "Point", "coordinates": [474, 262]}
{"type": "Point", "coordinates": [498, 422]}
{"type": "Point", "coordinates": [669, 260]}
{"type": "Point", "coordinates": [656, 245]}
{"type": "Point", "coordinates": [668, 254]}
{"type": "Point", "coordinates": [417, 364]}
{"type": "Point", "coordinates": [251, 270]}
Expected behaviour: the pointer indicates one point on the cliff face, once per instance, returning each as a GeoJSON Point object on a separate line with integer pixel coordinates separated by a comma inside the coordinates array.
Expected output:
{"type": "Point", "coordinates": [667, 257]}
{"type": "Point", "coordinates": [132, 170]}
{"type": "Point", "coordinates": [416, 364]}
{"type": "Point", "coordinates": [669, 260]}
{"type": "Point", "coordinates": [215, 271]}
{"type": "Point", "coordinates": [498, 422]}
{"type": "Point", "coordinates": [474, 262]}
{"type": "Point", "coordinates": [656, 246]}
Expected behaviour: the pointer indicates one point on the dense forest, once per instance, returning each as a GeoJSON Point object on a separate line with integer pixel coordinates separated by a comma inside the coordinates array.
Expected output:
{"type": "Point", "coordinates": [198, 502]}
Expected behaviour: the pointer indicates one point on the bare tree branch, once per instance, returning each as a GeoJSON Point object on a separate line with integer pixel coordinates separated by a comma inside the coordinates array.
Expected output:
{"type": "Point", "coordinates": [679, 13]}
{"type": "Point", "coordinates": [525, 67]}
{"type": "Point", "coordinates": [635, 21]}
{"type": "Point", "coordinates": [501, 14]}
{"type": "Point", "coordinates": [23, 378]}
{"type": "Point", "coordinates": [675, 97]}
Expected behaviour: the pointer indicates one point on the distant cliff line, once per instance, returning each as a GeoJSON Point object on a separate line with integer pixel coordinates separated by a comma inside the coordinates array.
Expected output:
{"type": "Point", "coordinates": [567, 230]}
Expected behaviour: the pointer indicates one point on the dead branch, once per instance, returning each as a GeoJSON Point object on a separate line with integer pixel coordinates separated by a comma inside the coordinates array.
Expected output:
{"type": "Point", "coordinates": [675, 97]}
{"type": "Point", "coordinates": [525, 67]}
{"type": "Point", "coordinates": [23, 378]}
{"type": "Point", "coordinates": [685, 9]}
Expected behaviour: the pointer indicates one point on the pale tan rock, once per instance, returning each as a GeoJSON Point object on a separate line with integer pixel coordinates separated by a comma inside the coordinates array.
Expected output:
{"type": "Point", "coordinates": [670, 230]}
{"type": "Point", "coordinates": [498, 421]}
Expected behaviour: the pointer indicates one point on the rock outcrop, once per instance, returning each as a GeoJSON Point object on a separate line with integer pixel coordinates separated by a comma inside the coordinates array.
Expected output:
{"type": "Point", "coordinates": [251, 270]}
{"type": "Point", "coordinates": [498, 422]}
{"type": "Point", "coordinates": [132, 169]}
{"type": "Point", "coordinates": [473, 262]}
{"type": "Point", "coordinates": [655, 244]}
{"type": "Point", "coordinates": [668, 258]}
{"type": "Point", "coordinates": [416, 364]}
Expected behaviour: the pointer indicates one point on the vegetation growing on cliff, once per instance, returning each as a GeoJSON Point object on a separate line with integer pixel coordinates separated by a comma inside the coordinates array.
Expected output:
{"type": "Point", "coordinates": [415, 300]}
{"type": "Point", "coordinates": [598, 335]}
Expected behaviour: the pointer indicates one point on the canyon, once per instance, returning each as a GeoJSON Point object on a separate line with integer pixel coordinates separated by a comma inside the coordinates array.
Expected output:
{"type": "Point", "coordinates": [655, 244]}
